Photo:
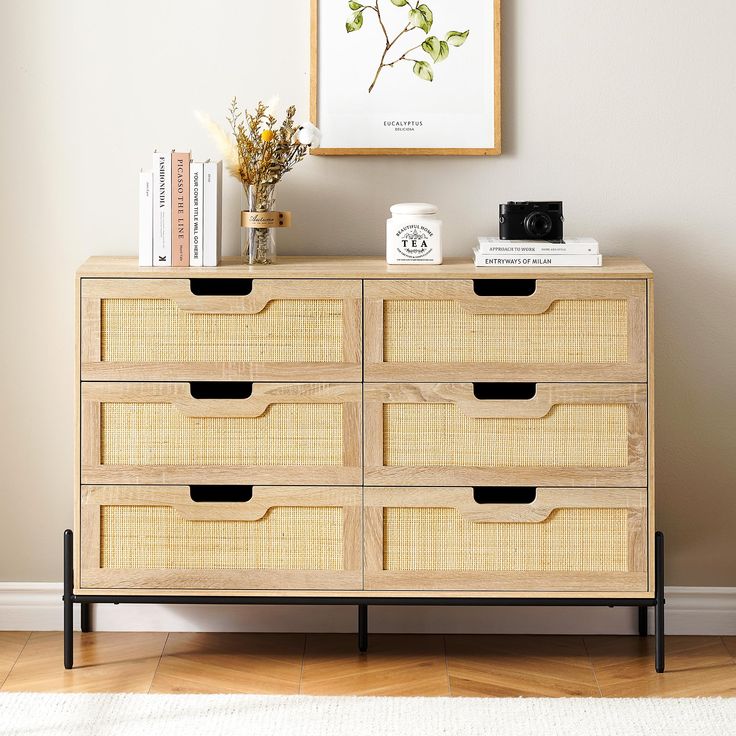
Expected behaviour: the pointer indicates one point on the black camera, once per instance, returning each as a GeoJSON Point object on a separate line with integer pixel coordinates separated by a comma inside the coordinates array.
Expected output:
{"type": "Point", "coordinates": [530, 221]}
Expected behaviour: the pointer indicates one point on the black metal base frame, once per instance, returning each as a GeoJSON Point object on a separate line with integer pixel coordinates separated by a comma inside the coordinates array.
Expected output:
{"type": "Point", "coordinates": [658, 602]}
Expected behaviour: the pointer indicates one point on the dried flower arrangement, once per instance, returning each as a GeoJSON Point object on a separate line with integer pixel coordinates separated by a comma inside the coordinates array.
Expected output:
{"type": "Point", "coordinates": [259, 152]}
{"type": "Point", "coordinates": [266, 152]}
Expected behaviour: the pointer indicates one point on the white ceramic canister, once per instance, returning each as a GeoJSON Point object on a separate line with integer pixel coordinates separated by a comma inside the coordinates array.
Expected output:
{"type": "Point", "coordinates": [413, 234]}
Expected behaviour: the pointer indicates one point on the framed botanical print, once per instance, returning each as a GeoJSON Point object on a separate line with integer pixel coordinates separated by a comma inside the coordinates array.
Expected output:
{"type": "Point", "coordinates": [407, 77]}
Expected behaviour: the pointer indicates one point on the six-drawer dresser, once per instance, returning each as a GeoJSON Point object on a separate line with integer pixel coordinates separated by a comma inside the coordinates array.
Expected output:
{"type": "Point", "coordinates": [335, 430]}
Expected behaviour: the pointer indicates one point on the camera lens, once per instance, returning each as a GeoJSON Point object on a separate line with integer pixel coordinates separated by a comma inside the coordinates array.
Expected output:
{"type": "Point", "coordinates": [537, 224]}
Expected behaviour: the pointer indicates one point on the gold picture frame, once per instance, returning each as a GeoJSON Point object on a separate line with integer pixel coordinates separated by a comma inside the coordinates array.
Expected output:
{"type": "Point", "coordinates": [495, 115]}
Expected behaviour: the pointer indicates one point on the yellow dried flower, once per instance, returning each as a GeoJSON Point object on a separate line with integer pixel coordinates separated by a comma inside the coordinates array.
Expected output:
{"type": "Point", "coordinates": [267, 136]}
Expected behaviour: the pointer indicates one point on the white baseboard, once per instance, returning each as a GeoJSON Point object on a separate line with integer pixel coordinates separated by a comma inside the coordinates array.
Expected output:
{"type": "Point", "coordinates": [32, 607]}
{"type": "Point", "coordinates": [689, 610]}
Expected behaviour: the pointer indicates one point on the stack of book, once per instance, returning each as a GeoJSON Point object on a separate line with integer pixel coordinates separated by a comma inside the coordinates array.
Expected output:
{"type": "Point", "coordinates": [180, 204]}
{"type": "Point", "coordinates": [494, 252]}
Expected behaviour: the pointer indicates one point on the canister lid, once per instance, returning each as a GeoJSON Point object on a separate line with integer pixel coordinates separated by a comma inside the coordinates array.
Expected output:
{"type": "Point", "coordinates": [414, 208]}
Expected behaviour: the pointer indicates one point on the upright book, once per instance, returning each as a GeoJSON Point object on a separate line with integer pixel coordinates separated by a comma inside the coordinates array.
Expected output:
{"type": "Point", "coordinates": [196, 212]}
{"type": "Point", "coordinates": [145, 218]}
{"type": "Point", "coordinates": [162, 209]}
{"type": "Point", "coordinates": [212, 232]}
{"type": "Point", "coordinates": [180, 209]}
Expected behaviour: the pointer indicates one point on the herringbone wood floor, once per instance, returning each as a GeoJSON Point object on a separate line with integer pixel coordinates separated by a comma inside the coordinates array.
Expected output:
{"type": "Point", "coordinates": [329, 664]}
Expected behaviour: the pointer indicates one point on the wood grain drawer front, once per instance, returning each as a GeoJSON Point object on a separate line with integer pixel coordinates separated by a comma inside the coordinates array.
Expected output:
{"type": "Point", "coordinates": [567, 434]}
{"type": "Point", "coordinates": [566, 539]}
{"type": "Point", "coordinates": [305, 433]}
{"type": "Point", "coordinates": [571, 330]}
{"type": "Point", "coordinates": [158, 329]}
{"type": "Point", "coordinates": [270, 537]}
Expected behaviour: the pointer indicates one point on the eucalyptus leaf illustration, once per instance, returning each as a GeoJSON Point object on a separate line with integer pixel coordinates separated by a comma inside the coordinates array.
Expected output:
{"type": "Point", "coordinates": [355, 23]}
{"type": "Point", "coordinates": [427, 13]}
{"type": "Point", "coordinates": [455, 38]}
{"type": "Point", "coordinates": [421, 18]}
{"type": "Point", "coordinates": [423, 69]}
{"type": "Point", "coordinates": [438, 50]}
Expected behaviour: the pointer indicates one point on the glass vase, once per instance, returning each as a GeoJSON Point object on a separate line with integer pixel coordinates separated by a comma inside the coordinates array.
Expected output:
{"type": "Point", "coordinates": [258, 244]}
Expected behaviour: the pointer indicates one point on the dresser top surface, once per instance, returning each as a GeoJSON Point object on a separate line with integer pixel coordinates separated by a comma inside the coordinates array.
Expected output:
{"type": "Point", "coordinates": [357, 267]}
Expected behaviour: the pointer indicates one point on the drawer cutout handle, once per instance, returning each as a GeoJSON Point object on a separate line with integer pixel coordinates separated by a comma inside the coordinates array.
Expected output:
{"type": "Point", "coordinates": [504, 494]}
{"type": "Point", "coordinates": [504, 287]}
{"type": "Point", "coordinates": [221, 389]}
{"type": "Point", "coordinates": [504, 391]}
{"type": "Point", "coordinates": [221, 287]}
{"type": "Point", "coordinates": [221, 494]}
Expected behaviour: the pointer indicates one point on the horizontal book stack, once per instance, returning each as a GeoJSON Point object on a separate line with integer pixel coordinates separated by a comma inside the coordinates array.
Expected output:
{"type": "Point", "coordinates": [180, 204]}
{"type": "Point", "coordinates": [495, 253]}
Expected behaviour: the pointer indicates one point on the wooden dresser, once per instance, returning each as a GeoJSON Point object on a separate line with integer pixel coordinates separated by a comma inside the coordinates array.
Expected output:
{"type": "Point", "coordinates": [337, 430]}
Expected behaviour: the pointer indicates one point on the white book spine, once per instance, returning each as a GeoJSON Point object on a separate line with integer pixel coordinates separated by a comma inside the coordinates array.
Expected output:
{"type": "Point", "coordinates": [571, 246]}
{"type": "Point", "coordinates": [212, 231]}
{"type": "Point", "coordinates": [561, 249]}
{"type": "Point", "coordinates": [145, 218]}
{"type": "Point", "coordinates": [535, 261]}
{"type": "Point", "coordinates": [162, 209]}
{"type": "Point", "coordinates": [196, 174]}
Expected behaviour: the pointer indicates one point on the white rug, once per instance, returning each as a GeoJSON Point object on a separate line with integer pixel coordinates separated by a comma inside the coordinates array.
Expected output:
{"type": "Point", "coordinates": [31, 714]}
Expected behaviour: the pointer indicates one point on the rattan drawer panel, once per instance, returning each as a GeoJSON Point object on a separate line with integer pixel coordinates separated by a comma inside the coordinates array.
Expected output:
{"type": "Point", "coordinates": [151, 329]}
{"type": "Point", "coordinates": [282, 433]}
{"type": "Point", "coordinates": [282, 537]}
{"type": "Point", "coordinates": [566, 539]}
{"type": "Point", "coordinates": [564, 331]}
{"type": "Point", "coordinates": [568, 434]}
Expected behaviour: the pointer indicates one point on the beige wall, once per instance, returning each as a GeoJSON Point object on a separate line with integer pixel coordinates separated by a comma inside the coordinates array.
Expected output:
{"type": "Point", "coordinates": [625, 110]}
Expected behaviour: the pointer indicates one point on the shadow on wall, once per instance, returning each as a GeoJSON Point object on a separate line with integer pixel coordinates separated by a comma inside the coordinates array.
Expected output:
{"type": "Point", "coordinates": [695, 427]}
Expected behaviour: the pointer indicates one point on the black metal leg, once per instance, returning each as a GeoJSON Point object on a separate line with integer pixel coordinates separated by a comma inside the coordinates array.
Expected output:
{"type": "Point", "coordinates": [86, 617]}
{"type": "Point", "coordinates": [659, 604]}
{"type": "Point", "coordinates": [643, 621]}
{"type": "Point", "coordinates": [68, 605]}
{"type": "Point", "coordinates": [363, 627]}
